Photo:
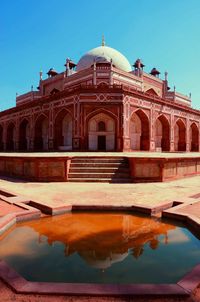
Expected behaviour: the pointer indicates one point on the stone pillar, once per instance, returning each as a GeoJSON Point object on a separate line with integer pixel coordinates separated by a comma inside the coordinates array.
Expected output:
{"type": "Point", "coordinates": [51, 130]}
{"type": "Point", "coordinates": [187, 136]}
{"type": "Point", "coordinates": [172, 132]}
{"type": "Point", "coordinates": [123, 139]}
{"type": "Point", "coordinates": [31, 134]}
{"type": "Point", "coordinates": [152, 145]}
{"type": "Point", "coordinates": [16, 136]}
{"type": "Point", "coordinates": [16, 145]}
{"type": "Point", "coordinates": [4, 136]}
{"type": "Point", "coordinates": [76, 139]}
{"type": "Point", "coordinates": [126, 144]}
{"type": "Point", "coordinates": [31, 144]}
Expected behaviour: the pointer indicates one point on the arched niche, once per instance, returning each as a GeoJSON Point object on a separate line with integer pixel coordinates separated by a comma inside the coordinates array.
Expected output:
{"type": "Point", "coordinates": [101, 133]}
{"type": "Point", "coordinates": [179, 136]}
{"type": "Point", "coordinates": [194, 138]}
{"type": "Point", "coordinates": [63, 131]}
{"type": "Point", "coordinates": [41, 133]}
{"type": "Point", "coordinates": [24, 135]}
{"type": "Point", "coordinates": [162, 133]}
{"type": "Point", "coordinates": [10, 137]}
{"type": "Point", "coordinates": [139, 131]}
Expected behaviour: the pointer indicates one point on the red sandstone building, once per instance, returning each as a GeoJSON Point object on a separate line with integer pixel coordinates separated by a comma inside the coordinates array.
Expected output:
{"type": "Point", "coordinates": [101, 104]}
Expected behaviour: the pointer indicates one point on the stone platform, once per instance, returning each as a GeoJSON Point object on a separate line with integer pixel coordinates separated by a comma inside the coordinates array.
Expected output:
{"type": "Point", "coordinates": [143, 166]}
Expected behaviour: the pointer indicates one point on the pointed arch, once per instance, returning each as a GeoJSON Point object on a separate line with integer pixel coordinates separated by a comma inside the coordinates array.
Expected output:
{"type": "Point", "coordinates": [194, 138]}
{"type": "Point", "coordinates": [10, 137]}
{"type": "Point", "coordinates": [162, 133]}
{"type": "Point", "coordinates": [180, 135]}
{"type": "Point", "coordinates": [63, 130]}
{"type": "Point", "coordinates": [41, 136]}
{"type": "Point", "coordinates": [101, 132]}
{"type": "Point", "coordinates": [100, 110]}
{"type": "Point", "coordinates": [24, 135]}
{"type": "Point", "coordinates": [139, 130]}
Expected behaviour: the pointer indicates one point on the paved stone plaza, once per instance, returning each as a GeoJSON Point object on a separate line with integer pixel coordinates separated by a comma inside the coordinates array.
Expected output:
{"type": "Point", "coordinates": [101, 194]}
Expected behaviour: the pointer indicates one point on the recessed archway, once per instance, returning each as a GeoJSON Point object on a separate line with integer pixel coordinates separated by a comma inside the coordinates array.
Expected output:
{"type": "Point", "coordinates": [24, 135]}
{"type": "Point", "coordinates": [41, 134]}
{"type": "Point", "coordinates": [194, 138]}
{"type": "Point", "coordinates": [162, 132]}
{"type": "Point", "coordinates": [10, 135]}
{"type": "Point", "coordinates": [139, 131]}
{"type": "Point", "coordinates": [179, 136]}
{"type": "Point", "coordinates": [63, 131]}
{"type": "Point", "coordinates": [101, 133]}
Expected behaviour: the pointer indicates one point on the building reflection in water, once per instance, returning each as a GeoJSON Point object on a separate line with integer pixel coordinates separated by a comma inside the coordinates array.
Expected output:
{"type": "Point", "coordinates": [102, 239]}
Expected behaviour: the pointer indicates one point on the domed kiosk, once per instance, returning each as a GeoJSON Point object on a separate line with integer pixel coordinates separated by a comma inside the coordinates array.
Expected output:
{"type": "Point", "coordinates": [104, 54]}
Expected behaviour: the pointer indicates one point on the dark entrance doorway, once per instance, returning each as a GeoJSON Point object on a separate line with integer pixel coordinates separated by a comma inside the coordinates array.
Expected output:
{"type": "Point", "coordinates": [101, 142]}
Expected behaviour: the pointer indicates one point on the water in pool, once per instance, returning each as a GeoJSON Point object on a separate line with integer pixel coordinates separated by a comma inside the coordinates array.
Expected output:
{"type": "Point", "coordinates": [100, 248]}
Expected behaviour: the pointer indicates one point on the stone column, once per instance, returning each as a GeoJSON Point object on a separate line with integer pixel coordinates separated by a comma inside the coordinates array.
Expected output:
{"type": "Point", "coordinates": [125, 126]}
{"type": "Point", "coordinates": [76, 142]}
{"type": "Point", "coordinates": [16, 136]}
{"type": "Point", "coordinates": [187, 136]}
{"type": "Point", "coordinates": [32, 133]}
{"type": "Point", "coordinates": [4, 136]}
{"type": "Point", "coordinates": [152, 145]}
{"type": "Point", "coordinates": [171, 132]}
{"type": "Point", "coordinates": [51, 129]}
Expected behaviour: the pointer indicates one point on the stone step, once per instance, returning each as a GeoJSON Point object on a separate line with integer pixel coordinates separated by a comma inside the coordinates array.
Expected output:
{"type": "Point", "coordinates": [98, 170]}
{"type": "Point", "coordinates": [92, 164]}
{"type": "Point", "coordinates": [98, 175]}
{"type": "Point", "coordinates": [108, 180]}
{"type": "Point", "coordinates": [98, 160]}
{"type": "Point", "coordinates": [100, 157]}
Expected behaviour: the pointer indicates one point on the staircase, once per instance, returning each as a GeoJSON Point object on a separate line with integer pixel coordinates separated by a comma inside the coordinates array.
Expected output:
{"type": "Point", "coordinates": [99, 169]}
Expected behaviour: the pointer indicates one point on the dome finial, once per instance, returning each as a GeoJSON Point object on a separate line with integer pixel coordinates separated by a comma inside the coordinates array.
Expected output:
{"type": "Point", "coordinates": [103, 41]}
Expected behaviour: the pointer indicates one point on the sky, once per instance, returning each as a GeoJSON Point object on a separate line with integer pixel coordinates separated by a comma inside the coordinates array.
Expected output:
{"type": "Point", "coordinates": [40, 34]}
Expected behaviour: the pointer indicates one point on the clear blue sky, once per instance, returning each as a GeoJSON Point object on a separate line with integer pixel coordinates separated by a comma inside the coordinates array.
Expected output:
{"type": "Point", "coordinates": [40, 34]}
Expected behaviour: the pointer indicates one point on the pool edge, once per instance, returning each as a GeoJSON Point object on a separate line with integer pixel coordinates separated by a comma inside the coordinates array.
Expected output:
{"type": "Point", "coordinates": [22, 286]}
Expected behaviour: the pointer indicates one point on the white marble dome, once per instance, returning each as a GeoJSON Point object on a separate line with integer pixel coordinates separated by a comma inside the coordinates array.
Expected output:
{"type": "Point", "coordinates": [103, 54]}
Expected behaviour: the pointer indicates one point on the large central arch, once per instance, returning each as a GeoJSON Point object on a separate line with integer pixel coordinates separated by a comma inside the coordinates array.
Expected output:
{"type": "Point", "coordinates": [139, 131]}
{"type": "Point", "coordinates": [101, 133]}
{"type": "Point", "coordinates": [162, 132]}
{"type": "Point", "coordinates": [63, 131]}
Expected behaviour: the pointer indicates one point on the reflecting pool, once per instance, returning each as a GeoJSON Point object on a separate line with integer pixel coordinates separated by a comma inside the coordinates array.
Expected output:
{"type": "Point", "coordinates": [91, 247]}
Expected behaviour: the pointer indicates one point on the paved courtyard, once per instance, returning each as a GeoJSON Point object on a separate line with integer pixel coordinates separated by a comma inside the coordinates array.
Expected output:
{"type": "Point", "coordinates": [104, 193]}
{"type": "Point", "coordinates": [145, 194]}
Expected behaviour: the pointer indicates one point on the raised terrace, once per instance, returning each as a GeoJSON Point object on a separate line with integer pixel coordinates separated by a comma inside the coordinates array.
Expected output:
{"type": "Point", "coordinates": [100, 167]}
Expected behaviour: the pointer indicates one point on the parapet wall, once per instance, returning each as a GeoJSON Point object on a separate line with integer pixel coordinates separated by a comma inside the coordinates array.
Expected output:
{"type": "Point", "coordinates": [35, 168]}
{"type": "Point", "coordinates": [55, 168]}
{"type": "Point", "coordinates": [163, 169]}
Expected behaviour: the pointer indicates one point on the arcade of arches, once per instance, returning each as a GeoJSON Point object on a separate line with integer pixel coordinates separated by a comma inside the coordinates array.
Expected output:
{"type": "Point", "coordinates": [99, 133]}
